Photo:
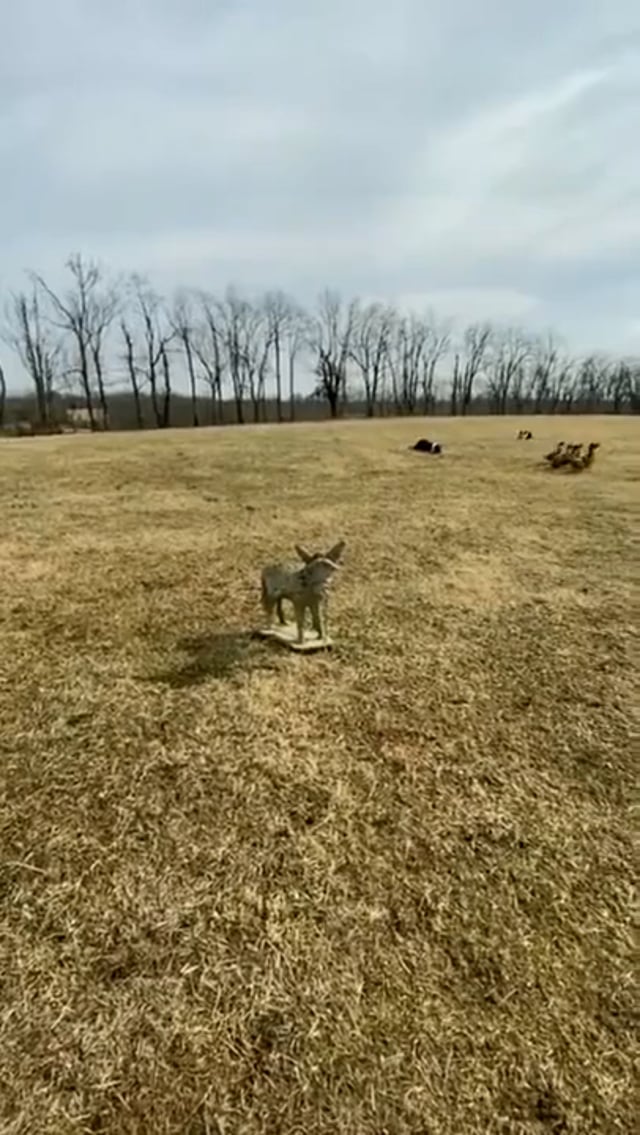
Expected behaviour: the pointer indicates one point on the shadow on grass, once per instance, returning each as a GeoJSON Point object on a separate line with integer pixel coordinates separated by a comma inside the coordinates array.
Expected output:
{"type": "Point", "coordinates": [218, 655]}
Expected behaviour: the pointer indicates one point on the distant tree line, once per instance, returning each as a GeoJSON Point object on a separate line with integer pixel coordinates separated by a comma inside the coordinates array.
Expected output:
{"type": "Point", "coordinates": [125, 355]}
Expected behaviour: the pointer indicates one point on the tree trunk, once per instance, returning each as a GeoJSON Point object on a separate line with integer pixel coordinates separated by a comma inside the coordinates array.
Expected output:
{"type": "Point", "coordinates": [153, 389]}
{"type": "Point", "coordinates": [255, 401]}
{"type": "Point", "coordinates": [455, 380]}
{"type": "Point", "coordinates": [104, 407]}
{"type": "Point", "coordinates": [192, 381]}
{"type": "Point", "coordinates": [85, 379]}
{"type": "Point", "coordinates": [35, 357]}
{"type": "Point", "coordinates": [131, 367]}
{"type": "Point", "coordinates": [3, 396]}
{"type": "Point", "coordinates": [278, 369]}
{"type": "Point", "coordinates": [292, 387]}
{"type": "Point", "coordinates": [333, 398]}
{"type": "Point", "coordinates": [166, 392]}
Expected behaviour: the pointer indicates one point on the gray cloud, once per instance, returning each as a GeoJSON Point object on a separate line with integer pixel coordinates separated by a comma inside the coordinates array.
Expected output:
{"type": "Point", "coordinates": [478, 158]}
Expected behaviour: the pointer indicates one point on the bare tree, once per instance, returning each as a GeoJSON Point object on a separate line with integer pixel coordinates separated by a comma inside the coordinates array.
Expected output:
{"type": "Point", "coordinates": [518, 391]}
{"type": "Point", "coordinates": [209, 348]}
{"type": "Point", "coordinates": [104, 314]}
{"type": "Point", "coordinates": [405, 358]}
{"type": "Point", "coordinates": [623, 386]}
{"type": "Point", "coordinates": [413, 337]}
{"type": "Point", "coordinates": [592, 382]}
{"type": "Point", "coordinates": [182, 321]}
{"type": "Point", "coordinates": [372, 328]}
{"type": "Point", "coordinates": [505, 371]}
{"type": "Point", "coordinates": [85, 312]}
{"type": "Point", "coordinates": [544, 359]}
{"type": "Point", "coordinates": [565, 386]}
{"type": "Point", "coordinates": [133, 371]}
{"type": "Point", "coordinates": [468, 365]}
{"type": "Point", "coordinates": [618, 385]}
{"type": "Point", "coordinates": [3, 395]}
{"type": "Point", "coordinates": [166, 383]}
{"type": "Point", "coordinates": [257, 342]}
{"type": "Point", "coordinates": [297, 333]}
{"type": "Point", "coordinates": [330, 333]}
{"type": "Point", "coordinates": [237, 318]}
{"type": "Point", "coordinates": [151, 367]}
{"type": "Point", "coordinates": [456, 386]}
{"type": "Point", "coordinates": [633, 388]}
{"type": "Point", "coordinates": [39, 352]}
{"type": "Point", "coordinates": [436, 346]}
{"type": "Point", "coordinates": [280, 314]}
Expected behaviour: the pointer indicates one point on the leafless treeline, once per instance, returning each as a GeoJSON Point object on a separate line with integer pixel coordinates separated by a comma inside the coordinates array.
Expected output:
{"type": "Point", "coordinates": [101, 336]}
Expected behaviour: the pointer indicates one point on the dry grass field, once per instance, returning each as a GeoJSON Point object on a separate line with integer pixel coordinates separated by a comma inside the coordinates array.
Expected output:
{"type": "Point", "coordinates": [381, 891]}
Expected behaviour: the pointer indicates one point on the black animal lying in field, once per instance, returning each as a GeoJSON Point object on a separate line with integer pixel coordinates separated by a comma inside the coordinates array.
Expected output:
{"type": "Point", "coordinates": [524, 435]}
{"type": "Point", "coordinates": [425, 446]}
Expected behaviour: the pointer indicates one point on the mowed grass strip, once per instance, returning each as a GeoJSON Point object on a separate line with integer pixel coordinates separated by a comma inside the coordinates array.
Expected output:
{"type": "Point", "coordinates": [382, 890]}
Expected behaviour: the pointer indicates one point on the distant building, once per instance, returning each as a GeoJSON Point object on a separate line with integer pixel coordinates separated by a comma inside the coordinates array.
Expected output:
{"type": "Point", "coordinates": [80, 418]}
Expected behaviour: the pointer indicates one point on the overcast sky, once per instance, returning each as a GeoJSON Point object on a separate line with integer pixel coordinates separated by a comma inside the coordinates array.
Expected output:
{"type": "Point", "coordinates": [478, 156]}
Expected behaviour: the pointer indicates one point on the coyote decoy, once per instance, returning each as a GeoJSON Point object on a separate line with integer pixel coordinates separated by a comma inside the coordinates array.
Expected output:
{"type": "Point", "coordinates": [280, 581]}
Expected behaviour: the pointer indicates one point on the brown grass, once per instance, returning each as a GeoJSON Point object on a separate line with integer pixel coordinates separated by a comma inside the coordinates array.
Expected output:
{"type": "Point", "coordinates": [385, 890]}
